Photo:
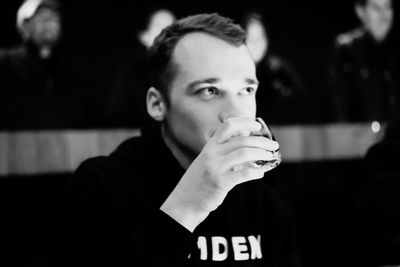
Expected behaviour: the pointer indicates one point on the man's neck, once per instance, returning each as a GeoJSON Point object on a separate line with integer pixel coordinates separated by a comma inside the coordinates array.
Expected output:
{"type": "Point", "coordinates": [182, 157]}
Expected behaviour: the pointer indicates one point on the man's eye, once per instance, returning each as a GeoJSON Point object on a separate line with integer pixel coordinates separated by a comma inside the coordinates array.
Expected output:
{"type": "Point", "coordinates": [247, 91]}
{"type": "Point", "coordinates": [208, 91]}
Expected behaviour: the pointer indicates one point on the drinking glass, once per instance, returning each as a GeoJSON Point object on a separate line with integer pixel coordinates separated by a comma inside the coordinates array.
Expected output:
{"type": "Point", "coordinates": [276, 155]}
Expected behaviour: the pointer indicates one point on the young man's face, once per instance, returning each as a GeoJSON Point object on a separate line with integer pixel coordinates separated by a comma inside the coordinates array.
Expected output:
{"type": "Point", "coordinates": [377, 17]}
{"type": "Point", "coordinates": [214, 81]}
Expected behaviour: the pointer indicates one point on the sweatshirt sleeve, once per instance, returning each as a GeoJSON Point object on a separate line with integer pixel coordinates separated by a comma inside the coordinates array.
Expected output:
{"type": "Point", "coordinates": [89, 229]}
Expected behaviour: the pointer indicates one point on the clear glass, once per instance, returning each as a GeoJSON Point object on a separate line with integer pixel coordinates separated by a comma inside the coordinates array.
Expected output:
{"type": "Point", "coordinates": [276, 155]}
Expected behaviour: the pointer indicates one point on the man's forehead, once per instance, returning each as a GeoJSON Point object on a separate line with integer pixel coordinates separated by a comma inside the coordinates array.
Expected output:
{"type": "Point", "coordinates": [196, 40]}
{"type": "Point", "coordinates": [200, 47]}
{"type": "Point", "coordinates": [200, 56]}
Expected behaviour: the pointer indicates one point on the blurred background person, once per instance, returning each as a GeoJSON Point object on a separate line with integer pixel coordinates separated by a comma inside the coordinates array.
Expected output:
{"type": "Point", "coordinates": [38, 88]}
{"type": "Point", "coordinates": [378, 203]}
{"type": "Point", "coordinates": [280, 85]}
{"type": "Point", "coordinates": [126, 105]}
{"type": "Point", "coordinates": [363, 71]}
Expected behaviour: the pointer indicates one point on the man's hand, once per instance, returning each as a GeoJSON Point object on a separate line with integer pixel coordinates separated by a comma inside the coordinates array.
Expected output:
{"type": "Point", "coordinates": [221, 165]}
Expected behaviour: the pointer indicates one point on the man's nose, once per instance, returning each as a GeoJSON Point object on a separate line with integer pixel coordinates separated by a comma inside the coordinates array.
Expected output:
{"type": "Point", "coordinates": [231, 108]}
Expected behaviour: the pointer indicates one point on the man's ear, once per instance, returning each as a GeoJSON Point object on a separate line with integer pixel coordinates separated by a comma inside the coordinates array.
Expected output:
{"type": "Point", "coordinates": [156, 106]}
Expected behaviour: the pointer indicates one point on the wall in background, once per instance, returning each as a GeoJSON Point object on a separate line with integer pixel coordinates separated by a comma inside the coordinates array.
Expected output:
{"type": "Point", "coordinates": [99, 35]}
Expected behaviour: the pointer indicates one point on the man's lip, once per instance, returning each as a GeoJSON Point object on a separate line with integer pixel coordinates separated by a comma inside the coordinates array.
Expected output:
{"type": "Point", "coordinates": [211, 134]}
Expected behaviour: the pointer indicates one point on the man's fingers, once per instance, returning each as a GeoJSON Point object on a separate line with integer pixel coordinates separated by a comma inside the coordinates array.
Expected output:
{"type": "Point", "coordinates": [245, 174]}
{"type": "Point", "coordinates": [248, 141]}
{"type": "Point", "coordinates": [243, 156]}
{"type": "Point", "coordinates": [233, 127]}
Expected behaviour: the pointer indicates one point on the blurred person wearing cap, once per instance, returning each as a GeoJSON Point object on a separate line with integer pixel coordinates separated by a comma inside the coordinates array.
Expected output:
{"type": "Point", "coordinates": [39, 88]}
{"type": "Point", "coordinates": [39, 23]}
{"type": "Point", "coordinates": [186, 192]}
{"type": "Point", "coordinates": [364, 67]}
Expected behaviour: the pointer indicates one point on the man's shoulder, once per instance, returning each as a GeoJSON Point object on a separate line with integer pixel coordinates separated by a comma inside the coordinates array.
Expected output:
{"type": "Point", "coordinates": [350, 38]}
{"type": "Point", "coordinates": [143, 147]}
{"type": "Point", "coordinates": [132, 148]}
{"type": "Point", "coordinates": [119, 157]}
{"type": "Point", "coordinates": [98, 167]}
{"type": "Point", "coordinates": [13, 56]}
{"type": "Point", "coordinates": [105, 173]}
{"type": "Point", "coordinates": [13, 52]}
{"type": "Point", "coordinates": [138, 162]}
{"type": "Point", "coordinates": [384, 155]}
{"type": "Point", "coordinates": [132, 156]}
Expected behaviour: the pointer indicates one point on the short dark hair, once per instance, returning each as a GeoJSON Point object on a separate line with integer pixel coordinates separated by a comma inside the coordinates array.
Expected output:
{"type": "Point", "coordinates": [162, 69]}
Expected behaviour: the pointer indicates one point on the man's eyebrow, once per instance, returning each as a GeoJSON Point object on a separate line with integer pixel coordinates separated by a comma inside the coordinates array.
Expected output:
{"type": "Point", "coordinates": [207, 80]}
{"type": "Point", "coordinates": [252, 81]}
{"type": "Point", "coordinates": [216, 80]}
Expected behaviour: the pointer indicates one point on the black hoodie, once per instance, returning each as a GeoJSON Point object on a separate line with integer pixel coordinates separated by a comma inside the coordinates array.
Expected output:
{"type": "Point", "coordinates": [110, 217]}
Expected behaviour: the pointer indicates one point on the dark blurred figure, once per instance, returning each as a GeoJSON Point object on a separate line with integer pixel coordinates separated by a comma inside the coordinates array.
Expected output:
{"type": "Point", "coordinates": [280, 85]}
{"type": "Point", "coordinates": [379, 203]}
{"type": "Point", "coordinates": [38, 88]}
{"type": "Point", "coordinates": [364, 68]}
{"type": "Point", "coordinates": [126, 107]}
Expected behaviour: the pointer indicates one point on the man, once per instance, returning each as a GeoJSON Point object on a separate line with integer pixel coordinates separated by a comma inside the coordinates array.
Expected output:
{"type": "Point", "coordinates": [186, 194]}
{"type": "Point", "coordinates": [364, 67]}
{"type": "Point", "coordinates": [39, 89]}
